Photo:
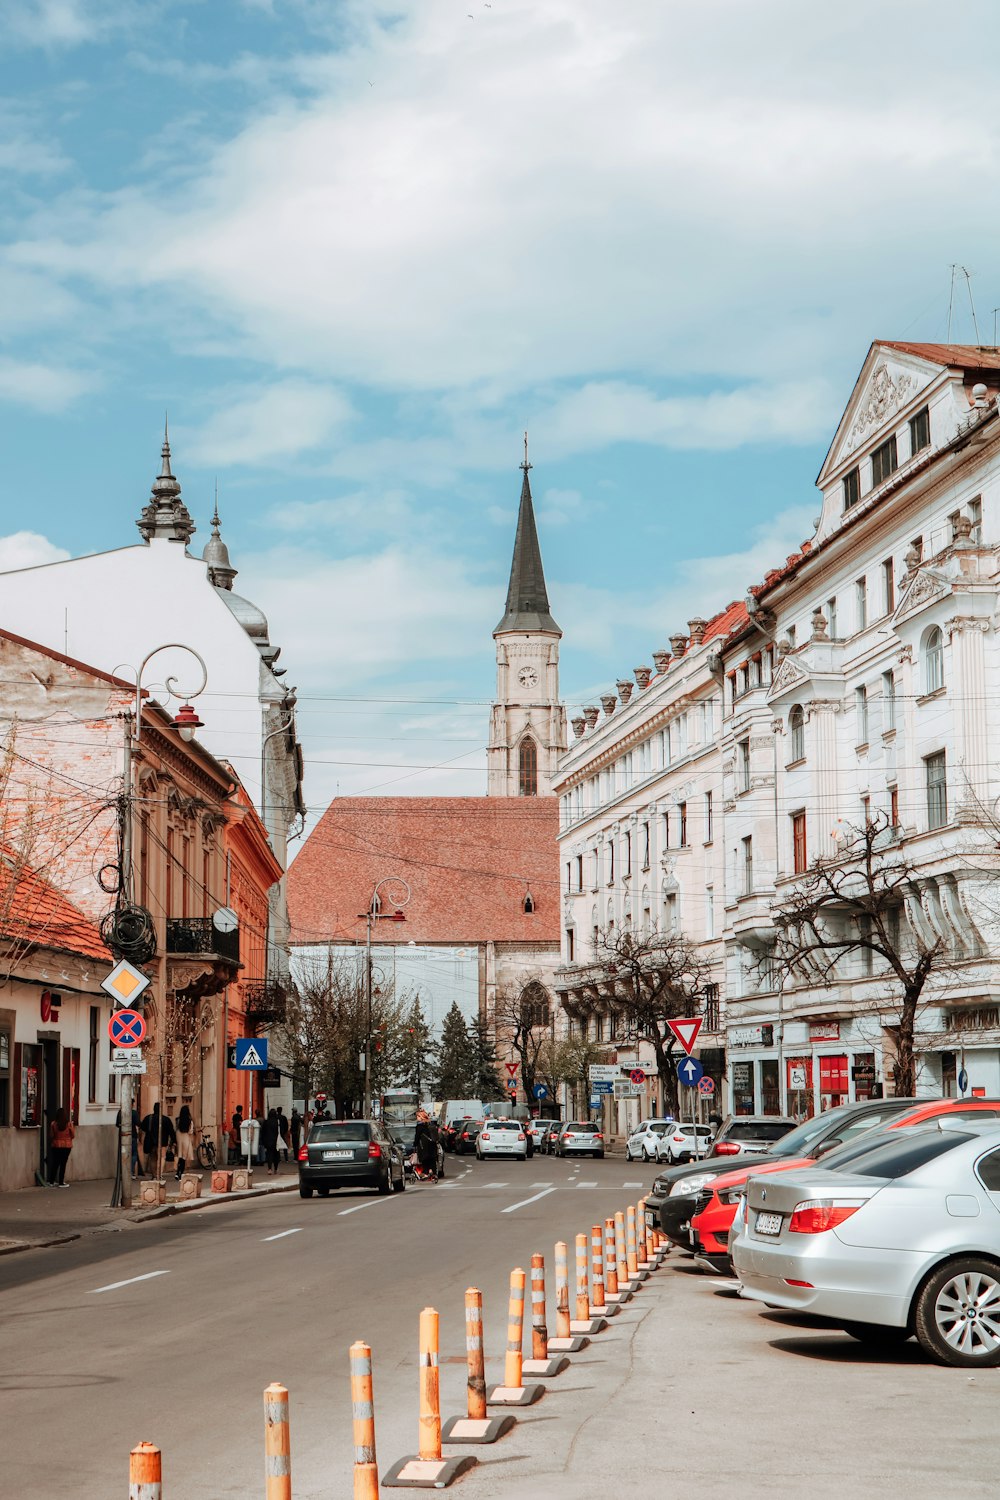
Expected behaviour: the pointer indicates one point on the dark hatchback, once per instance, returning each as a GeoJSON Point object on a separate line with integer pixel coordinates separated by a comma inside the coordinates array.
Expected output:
{"type": "Point", "coordinates": [350, 1153]}
{"type": "Point", "coordinates": [466, 1136]}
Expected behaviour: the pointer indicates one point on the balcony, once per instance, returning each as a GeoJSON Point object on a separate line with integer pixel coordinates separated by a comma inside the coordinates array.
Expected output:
{"type": "Point", "coordinates": [265, 1001]}
{"type": "Point", "coordinates": [199, 935]}
{"type": "Point", "coordinates": [201, 960]}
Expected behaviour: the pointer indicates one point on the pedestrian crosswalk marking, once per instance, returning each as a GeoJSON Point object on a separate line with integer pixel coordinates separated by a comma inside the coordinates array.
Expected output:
{"type": "Point", "coordinates": [586, 1184]}
{"type": "Point", "coordinates": [252, 1058]}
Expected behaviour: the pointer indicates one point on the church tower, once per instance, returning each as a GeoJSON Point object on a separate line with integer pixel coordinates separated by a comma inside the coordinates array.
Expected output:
{"type": "Point", "coordinates": [528, 723]}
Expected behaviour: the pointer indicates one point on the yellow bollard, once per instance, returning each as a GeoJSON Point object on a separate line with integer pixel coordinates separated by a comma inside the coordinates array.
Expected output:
{"type": "Point", "coordinates": [597, 1269]}
{"type": "Point", "coordinates": [277, 1444]}
{"type": "Point", "coordinates": [582, 1295]}
{"type": "Point", "coordinates": [145, 1473]}
{"type": "Point", "coordinates": [363, 1414]}
{"type": "Point", "coordinates": [610, 1268]}
{"type": "Point", "coordinates": [430, 1387]}
{"type": "Point", "coordinates": [539, 1332]}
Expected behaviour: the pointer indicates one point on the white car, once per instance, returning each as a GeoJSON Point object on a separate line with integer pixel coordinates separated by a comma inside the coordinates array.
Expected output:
{"type": "Point", "coordinates": [645, 1142]}
{"type": "Point", "coordinates": [502, 1138]}
{"type": "Point", "coordinates": [684, 1142]}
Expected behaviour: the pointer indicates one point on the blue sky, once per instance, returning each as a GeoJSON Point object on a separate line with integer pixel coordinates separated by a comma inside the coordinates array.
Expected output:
{"type": "Point", "coordinates": [356, 247]}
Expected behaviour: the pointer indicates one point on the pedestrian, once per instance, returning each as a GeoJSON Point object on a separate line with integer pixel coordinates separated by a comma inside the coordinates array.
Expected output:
{"type": "Point", "coordinates": [295, 1131]}
{"type": "Point", "coordinates": [270, 1137]}
{"type": "Point", "coordinates": [61, 1135]}
{"type": "Point", "coordinates": [425, 1145]}
{"type": "Point", "coordinates": [158, 1136]}
{"type": "Point", "coordinates": [136, 1127]}
{"type": "Point", "coordinates": [283, 1132]}
{"type": "Point", "coordinates": [258, 1115]}
{"type": "Point", "coordinates": [234, 1135]}
{"type": "Point", "coordinates": [185, 1145]}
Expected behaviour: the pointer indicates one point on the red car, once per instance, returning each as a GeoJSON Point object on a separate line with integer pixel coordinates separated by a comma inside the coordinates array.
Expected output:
{"type": "Point", "coordinates": [715, 1210]}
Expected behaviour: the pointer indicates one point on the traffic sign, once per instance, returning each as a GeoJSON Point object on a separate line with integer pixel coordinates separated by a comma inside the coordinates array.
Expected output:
{"type": "Point", "coordinates": [540, 1091]}
{"type": "Point", "coordinates": [602, 1086]}
{"type": "Point", "coordinates": [251, 1053]}
{"type": "Point", "coordinates": [511, 1069]}
{"type": "Point", "coordinates": [511, 1085]}
{"type": "Point", "coordinates": [637, 1075]}
{"type": "Point", "coordinates": [686, 1032]}
{"type": "Point", "coordinates": [125, 983]}
{"type": "Point", "coordinates": [690, 1071]}
{"type": "Point", "coordinates": [131, 1063]}
{"type": "Point", "coordinates": [595, 1101]}
{"type": "Point", "coordinates": [706, 1086]}
{"type": "Point", "coordinates": [963, 1081]}
{"type": "Point", "coordinates": [126, 1028]}
{"type": "Point", "coordinates": [603, 1072]}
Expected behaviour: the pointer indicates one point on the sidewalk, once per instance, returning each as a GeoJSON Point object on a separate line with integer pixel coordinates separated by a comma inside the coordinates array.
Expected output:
{"type": "Point", "coordinates": [34, 1217]}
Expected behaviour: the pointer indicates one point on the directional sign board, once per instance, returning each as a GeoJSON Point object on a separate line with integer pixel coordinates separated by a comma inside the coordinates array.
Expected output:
{"type": "Point", "coordinates": [602, 1086]}
{"type": "Point", "coordinates": [126, 1028]}
{"type": "Point", "coordinates": [540, 1091]}
{"type": "Point", "coordinates": [125, 983]}
{"type": "Point", "coordinates": [706, 1086]}
{"type": "Point", "coordinates": [690, 1071]}
{"type": "Point", "coordinates": [251, 1053]}
{"type": "Point", "coordinates": [686, 1032]}
{"type": "Point", "coordinates": [603, 1072]}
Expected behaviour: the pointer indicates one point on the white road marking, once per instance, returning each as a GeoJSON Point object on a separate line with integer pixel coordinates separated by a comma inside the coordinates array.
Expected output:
{"type": "Point", "coordinates": [543, 1184]}
{"type": "Point", "coordinates": [280, 1236]}
{"type": "Point", "coordinates": [525, 1201]}
{"type": "Point", "coordinates": [496, 1184]}
{"type": "Point", "coordinates": [359, 1206]}
{"type": "Point", "coordinates": [586, 1184]}
{"type": "Point", "coordinates": [114, 1285]}
{"type": "Point", "coordinates": [633, 1184]}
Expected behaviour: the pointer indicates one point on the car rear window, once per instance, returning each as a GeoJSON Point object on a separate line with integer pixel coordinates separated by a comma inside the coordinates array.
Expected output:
{"type": "Point", "coordinates": [900, 1158]}
{"type": "Point", "coordinates": [504, 1125]}
{"type": "Point", "coordinates": [756, 1130]}
{"type": "Point", "coordinates": [578, 1125]}
{"type": "Point", "coordinates": [341, 1130]}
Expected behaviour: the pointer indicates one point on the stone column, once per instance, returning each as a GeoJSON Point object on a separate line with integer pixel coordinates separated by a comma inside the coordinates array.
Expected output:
{"type": "Point", "coordinates": [968, 778]}
{"type": "Point", "coordinates": [823, 715]}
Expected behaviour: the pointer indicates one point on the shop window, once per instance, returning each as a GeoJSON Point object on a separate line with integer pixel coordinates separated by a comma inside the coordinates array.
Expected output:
{"type": "Point", "coordinates": [93, 1044]}
{"type": "Point", "coordinates": [770, 1092]}
{"type": "Point", "coordinates": [799, 1087]}
{"type": "Point", "coordinates": [863, 1074]}
{"type": "Point", "coordinates": [743, 1090]}
{"type": "Point", "coordinates": [6, 1048]}
{"type": "Point", "coordinates": [834, 1081]}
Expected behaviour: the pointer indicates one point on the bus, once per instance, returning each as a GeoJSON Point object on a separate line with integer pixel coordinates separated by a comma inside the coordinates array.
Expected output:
{"type": "Point", "coordinates": [399, 1111]}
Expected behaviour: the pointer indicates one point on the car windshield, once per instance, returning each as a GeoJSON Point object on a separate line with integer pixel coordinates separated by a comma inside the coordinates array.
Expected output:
{"type": "Point", "coordinates": [899, 1157]}
{"type": "Point", "coordinates": [659, 1127]}
{"type": "Point", "coordinates": [756, 1130]}
{"type": "Point", "coordinates": [341, 1130]}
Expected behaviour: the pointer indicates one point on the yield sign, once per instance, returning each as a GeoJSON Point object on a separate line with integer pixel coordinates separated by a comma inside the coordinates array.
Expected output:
{"type": "Point", "coordinates": [511, 1069]}
{"type": "Point", "coordinates": [686, 1032]}
{"type": "Point", "coordinates": [126, 1028]}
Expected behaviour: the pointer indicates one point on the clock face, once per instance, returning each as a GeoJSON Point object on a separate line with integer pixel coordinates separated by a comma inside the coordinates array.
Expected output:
{"type": "Point", "coordinates": [527, 677]}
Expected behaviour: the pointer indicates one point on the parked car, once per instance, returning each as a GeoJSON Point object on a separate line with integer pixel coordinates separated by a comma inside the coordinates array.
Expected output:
{"type": "Point", "coordinates": [550, 1139]}
{"type": "Point", "coordinates": [467, 1135]}
{"type": "Point", "coordinates": [450, 1130]}
{"type": "Point", "coordinates": [502, 1138]}
{"type": "Point", "coordinates": [750, 1134]}
{"type": "Point", "coordinates": [903, 1239]}
{"type": "Point", "coordinates": [645, 1141]}
{"type": "Point", "coordinates": [580, 1135]}
{"type": "Point", "coordinates": [349, 1153]}
{"type": "Point", "coordinates": [538, 1130]}
{"type": "Point", "coordinates": [685, 1142]}
{"type": "Point", "coordinates": [713, 1213]}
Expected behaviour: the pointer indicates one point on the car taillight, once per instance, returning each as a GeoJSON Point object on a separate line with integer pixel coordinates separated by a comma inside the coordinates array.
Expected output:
{"type": "Point", "coordinates": [520, 1135]}
{"type": "Point", "coordinates": [817, 1215]}
{"type": "Point", "coordinates": [483, 1136]}
{"type": "Point", "coordinates": [374, 1150]}
{"type": "Point", "coordinates": [303, 1153]}
{"type": "Point", "coordinates": [598, 1136]}
{"type": "Point", "coordinates": [679, 1139]}
{"type": "Point", "coordinates": [789, 1282]}
{"type": "Point", "coordinates": [726, 1148]}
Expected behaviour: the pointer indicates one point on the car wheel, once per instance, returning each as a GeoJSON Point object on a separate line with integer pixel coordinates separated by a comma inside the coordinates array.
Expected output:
{"type": "Point", "coordinates": [628, 1154]}
{"type": "Point", "coordinates": [305, 1192]}
{"type": "Point", "coordinates": [598, 1155]}
{"type": "Point", "coordinates": [385, 1186]}
{"type": "Point", "coordinates": [877, 1334]}
{"type": "Point", "coordinates": [324, 1192]}
{"type": "Point", "coordinates": [645, 1154]}
{"type": "Point", "coordinates": [958, 1313]}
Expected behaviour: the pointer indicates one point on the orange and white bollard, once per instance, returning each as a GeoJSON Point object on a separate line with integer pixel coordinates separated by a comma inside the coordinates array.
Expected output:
{"type": "Point", "coordinates": [635, 1276]}
{"type": "Point", "coordinates": [585, 1321]}
{"type": "Point", "coordinates": [363, 1417]}
{"type": "Point", "coordinates": [599, 1306]}
{"type": "Point", "coordinates": [514, 1392]}
{"type": "Point", "coordinates": [540, 1363]}
{"type": "Point", "coordinates": [277, 1444]}
{"type": "Point", "coordinates": [625, 1283]}
{"type": "Point", "coordinates": [477, 1427]}
{"type": "Point", "coordinates": [428, 1470]}
{"type": "Point", "coordinates": [145, 1473]}
{"type": "Point", "coordinates": [565, 1341]}
{"type": "Point", "coordinates": [613, 1294]}
{"type": "Point", "coordinates": [641, 1246]}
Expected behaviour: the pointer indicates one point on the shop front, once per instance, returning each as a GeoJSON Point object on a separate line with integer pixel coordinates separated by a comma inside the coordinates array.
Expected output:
{"type": "Point", "coordinates": [821, 1064]}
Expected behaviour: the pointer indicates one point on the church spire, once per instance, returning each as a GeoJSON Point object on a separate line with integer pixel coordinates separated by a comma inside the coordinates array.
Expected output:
{"type": "Point", "coordinates": [527, 599]}
{"type": "Point", "coordinates": [165, 516]}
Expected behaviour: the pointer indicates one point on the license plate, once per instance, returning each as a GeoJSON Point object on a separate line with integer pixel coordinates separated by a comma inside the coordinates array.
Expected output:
{"type": "Point", "coordinates": [767, 1224]}
{"type": "Point", "coordinates": [338, 1155]}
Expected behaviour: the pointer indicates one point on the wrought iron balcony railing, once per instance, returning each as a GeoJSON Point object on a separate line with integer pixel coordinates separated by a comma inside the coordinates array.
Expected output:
{"type": "Point", "coordinates": [264, 1000]}
{"type": "Point", "coordinates": [200, 935]}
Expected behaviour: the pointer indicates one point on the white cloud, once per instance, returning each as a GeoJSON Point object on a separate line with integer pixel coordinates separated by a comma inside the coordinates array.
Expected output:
{"type": "Point", "coordinates": [61, 23]}
{"type": "Point", "coordinates": [27, 549]}
{"type": "Point", "coordinates": [46, 388]}
{"type": "Point", "coordinates": [364, 513]}
{"type": "Point", "coordinates": [263, 426]}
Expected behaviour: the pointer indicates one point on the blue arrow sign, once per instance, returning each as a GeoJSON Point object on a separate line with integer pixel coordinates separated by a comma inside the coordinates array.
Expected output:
{"type": "Point", "coordinates": [689, 1071]}
{"type": "Point", "coordinates": [540, 1091]}
{"type": "Point", "coordinates": [251, 1052]}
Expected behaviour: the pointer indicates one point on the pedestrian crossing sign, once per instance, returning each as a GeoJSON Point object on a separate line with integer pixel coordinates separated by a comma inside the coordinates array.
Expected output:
{"type": "Point", "coordinates": [251, 1052]}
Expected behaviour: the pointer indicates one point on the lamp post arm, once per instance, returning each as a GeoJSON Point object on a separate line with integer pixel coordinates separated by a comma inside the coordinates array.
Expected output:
{"type": "Point", "coordinates": [281, 729]}
{"type": "Point", "coordinates": [170, 683]}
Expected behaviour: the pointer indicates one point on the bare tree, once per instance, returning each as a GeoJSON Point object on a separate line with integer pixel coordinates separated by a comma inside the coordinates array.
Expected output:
{"type": "Point", "coordinates": [854, 903]}
{"type": "Point", "coordinates": [522, 1014]}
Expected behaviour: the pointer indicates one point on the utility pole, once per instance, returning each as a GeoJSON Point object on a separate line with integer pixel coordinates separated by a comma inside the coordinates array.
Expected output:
{"type": "Point", "coordinates": [125, 1095]}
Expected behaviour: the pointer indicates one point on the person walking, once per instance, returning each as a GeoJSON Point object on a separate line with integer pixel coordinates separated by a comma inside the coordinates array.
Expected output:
{"type": "Point", "coordinates": [234, 1136]}
{"type": "Point", "coordinates": [425, 1145]}
{"type": "Point", "coordinates": [158, 1135]}
{"type": "Point", "coordinates": [185, 1141]}
{"type": "Point", "coordinates": [283, 1132]}
{"type": "Point", "coordinates": [270, 1138]}
{"type": "Point", "coordinates": [61, 1134]}
{"type": "Point", "coordinates": [295, 1131]}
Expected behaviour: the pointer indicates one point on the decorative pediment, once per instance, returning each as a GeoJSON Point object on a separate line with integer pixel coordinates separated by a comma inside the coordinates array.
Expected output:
{"type": "Point", "coordinates": [789, 675]}
{"type": "Point", "coordinates": [924, 588]}
{"type": "Point", "coordinates": [890, 381]}
{"type": "Point", "coordinates": [888, 388]}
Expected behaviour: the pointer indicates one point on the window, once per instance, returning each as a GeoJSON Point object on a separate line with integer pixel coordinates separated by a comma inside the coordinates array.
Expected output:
{"type": "Point", "coordinates": [888, 587]}
{"type": "Point", "coordinates": [894, 807]}
{"type": "Point", "coordinates": [628, 853]}
{"type": "Point", "coordinates": [670, 906]}
{"type": "Point", "coordinates": [570, 944]}
{"type": "Point", "coordinates": [112, 1077]}
{"type": "Point", "coordinates": [6, 1049]}
{"type": "Point", "coordinates": [884, 461]}
{"type": "Point", "coordinates": [975, 511]}
{"type": "Point", "coordinates": [937, 789]}
{"type": "Point", "coordinates": [866, 811]}
{"type": "Point", "coordinates": [645, 846]}
{"type": "Point", "coordinates": [682, 813]}
{"type": "Point", "coordinates": [569, 872]}
{"type": "Point", "coordinates": [579, 872]}
{"type": "Point", "coordinates": [709, 831]}
{"type": "Point", "coordinates": [920, 431]}
{"type": "Point", "coordinates": [852, 488]}
{"type": "Point", "coordinates": [799, 857]}
{"type": "Point", "coordinates": [831, 617]}
{"type": "Point", "coordinates": [888, 702]}
{"type": "Point", "coordinates": [797, 733]}
{"type": "Point", "coordinates": [917, 546]}
{"type": "Point", "coordinates": [790, 632]}
{"type": "Point", "coordinates": [747, 852]}
{"type": "Point", "coordinates": [743, 754]}
{"type": "Point", "coordinates": [527, 770]}
{"type": "Point", "coordinates": [865, 954]}
{"type": "Point", "coordinates": [861, 604]}
{"type": "Point", "coordinates": [861, 715]}
{"type": "Point", "coordinates": [611, 861]}
{"type": "Point", "coordinates": [953, 521]}
{"type": "Point", "coordinates": [709, 912]}
{"type": "Point", "coordinates": [711, 1007]}
{"type": "Point", "coordinates": [933, 660]}
{"type": "Point", "coordinates": [666, 830]}
{"type": "Point", "coordinates": [93, 1042]}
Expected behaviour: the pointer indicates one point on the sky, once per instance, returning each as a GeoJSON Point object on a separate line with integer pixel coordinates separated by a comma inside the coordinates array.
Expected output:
{"type": "Point", "coordinates": [357, 248]}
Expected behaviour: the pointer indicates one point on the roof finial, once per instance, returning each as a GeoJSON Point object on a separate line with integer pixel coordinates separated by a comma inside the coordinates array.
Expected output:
{"type": "Point", "coordinates": [525, 466]}
{"type": "Point", "coordinates": [215, 513]}
{"type": "Point", "coordinates": [165, 470]}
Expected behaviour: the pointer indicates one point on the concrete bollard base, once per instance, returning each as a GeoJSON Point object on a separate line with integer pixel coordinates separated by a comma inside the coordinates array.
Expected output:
{"type": "Point", "coordinates": [476, 1429]}
{"type": "Point", "coordinates": [589, 1325]}
{"type": "Point", "coordinates": [640, 1275]}
{"type": "Point", "coordinates": [545, 1366]}
{"type": "Point", "coordinates": [515, 1395]}
{"type": "Point", "coordinates": [567, 1346]}
{"type": "Point", "coordinates": [608, 1310]}
{"type": "Point", "coordinates": [427, 1473]}
{"type": "Point", "coordinates": [619, 1299]}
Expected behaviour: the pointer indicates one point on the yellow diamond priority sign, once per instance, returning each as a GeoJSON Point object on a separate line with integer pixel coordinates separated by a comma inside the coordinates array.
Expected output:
{"type": "Point", "coordinates": [125, 983]}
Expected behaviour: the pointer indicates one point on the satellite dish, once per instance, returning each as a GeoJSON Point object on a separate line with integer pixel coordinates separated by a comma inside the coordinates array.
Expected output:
{"type": "Point", "coordinates": [225, 920]}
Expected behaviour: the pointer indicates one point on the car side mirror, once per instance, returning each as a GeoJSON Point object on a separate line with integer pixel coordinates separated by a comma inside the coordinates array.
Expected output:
{"type": "Point", "coordinates": [828, 1146]}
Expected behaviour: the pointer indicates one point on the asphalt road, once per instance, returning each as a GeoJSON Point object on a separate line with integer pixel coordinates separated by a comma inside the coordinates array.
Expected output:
{"type": "Point", "coordinates": [275, 1289]}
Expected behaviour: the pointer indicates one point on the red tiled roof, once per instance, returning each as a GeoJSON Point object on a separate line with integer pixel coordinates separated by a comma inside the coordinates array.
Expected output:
{"type": "Point", "coordinates": [727, 620]}
{"type": "Point", "coordinates": [950, 356]}
{"type": "Point", "coordinates": [467, 860]}
{"type": "Point", "coordinates": [33, 911]}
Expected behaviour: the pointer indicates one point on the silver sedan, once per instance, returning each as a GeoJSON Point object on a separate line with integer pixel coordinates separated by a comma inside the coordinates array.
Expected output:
{"type": "Point", "coordinates": [902, 1239]}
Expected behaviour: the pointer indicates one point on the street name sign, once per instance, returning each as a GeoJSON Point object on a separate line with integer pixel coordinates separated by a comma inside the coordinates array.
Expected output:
{"type": "Point", "coordinates": [251, 1053]}
{"type": "Point", "coordinates": [686, 1032]}
{"type": "Point", "coordinates": [690, 1071]}
{"type": "Point", "coordinates": [126, 1028]}
{"type": "Point", "coordinates": [603, 1085]}
{"type": "Point", "coordinates": [125, 983]}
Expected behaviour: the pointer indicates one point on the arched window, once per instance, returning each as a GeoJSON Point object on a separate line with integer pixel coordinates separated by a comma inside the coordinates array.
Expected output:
{"type": "Point", "coordinates": [933, 660]}
{"type": "Point", "coordinates": [797, 733]}
{"type": "Point", "coordinates": [527, 768]}
{"type": "Point", "coordinates": [536, 1008]}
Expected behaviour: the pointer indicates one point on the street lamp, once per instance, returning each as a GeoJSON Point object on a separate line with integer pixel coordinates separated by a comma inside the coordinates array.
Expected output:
{"type": "Point", "coordinates": [186, 723]}
{"type": "Point", "coordinates": [371, 916]}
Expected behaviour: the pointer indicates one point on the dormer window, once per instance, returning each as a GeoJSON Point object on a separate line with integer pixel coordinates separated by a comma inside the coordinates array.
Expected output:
{"type": "Point", "coordinates": [884, 461]}
{"type": "Point", "coordinates": [852, 488]}
{"type": "Point", "coordinates": [920, 431]}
